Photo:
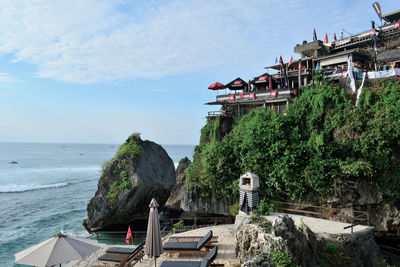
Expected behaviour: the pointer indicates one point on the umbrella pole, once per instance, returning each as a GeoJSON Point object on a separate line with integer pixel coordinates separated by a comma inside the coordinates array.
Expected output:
{"type": "Point", "coordinates": [155, 260]}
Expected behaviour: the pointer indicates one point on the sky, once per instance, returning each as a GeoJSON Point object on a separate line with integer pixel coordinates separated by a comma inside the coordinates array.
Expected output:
{"type": "Point", "coordinates": [92, 71]}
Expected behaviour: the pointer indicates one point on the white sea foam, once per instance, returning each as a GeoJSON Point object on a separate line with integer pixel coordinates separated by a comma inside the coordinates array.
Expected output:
{"type": "Point", "coordinates": [176, 165]}
{"type": "Point", "coordinates": [19, 188]}
{"type": "Point", "coordinates": [96, 168]}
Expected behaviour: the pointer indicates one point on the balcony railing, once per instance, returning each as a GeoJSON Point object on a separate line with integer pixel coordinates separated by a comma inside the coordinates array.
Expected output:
{"type": "Point", "coordinates": [257, 95]}
{"type": "Point", "coordinates": [215, 113]}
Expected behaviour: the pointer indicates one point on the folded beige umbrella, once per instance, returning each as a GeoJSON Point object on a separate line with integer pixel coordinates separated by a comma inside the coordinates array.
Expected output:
{"type": "Point", "coordinates": [56, 250]}
{"type": "Point", "coordinates": [154, 246]}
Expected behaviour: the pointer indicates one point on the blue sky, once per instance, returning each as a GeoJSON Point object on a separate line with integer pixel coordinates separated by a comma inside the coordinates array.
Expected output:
{"type": "Point", "coordinates": [92, 71]}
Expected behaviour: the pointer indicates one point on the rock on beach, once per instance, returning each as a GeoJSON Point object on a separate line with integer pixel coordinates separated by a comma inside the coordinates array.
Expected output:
{"type": "Point", "coordinates": [138, 172]}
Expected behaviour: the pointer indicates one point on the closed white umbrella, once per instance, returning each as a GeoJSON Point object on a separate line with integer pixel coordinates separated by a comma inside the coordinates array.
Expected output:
{"type": "Point", "coordinates": [56, 250]}
{"type": "Point", "coordinates": [154, 246]}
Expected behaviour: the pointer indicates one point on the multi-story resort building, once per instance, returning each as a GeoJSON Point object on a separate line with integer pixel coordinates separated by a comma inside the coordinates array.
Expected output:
{"type": "Point", "coordinates": [372, 54]}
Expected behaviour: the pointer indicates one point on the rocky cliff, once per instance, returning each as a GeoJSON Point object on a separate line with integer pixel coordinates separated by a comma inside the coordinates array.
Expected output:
{"type": "Point", "coordinates": [324, 151]}
{"type": "Point", "coordinates": [361, 195]}
{"type": "Point", "coordinates": [139, 171]}
{"type": "Point", "coordinates": [280, 243]}
{"type": "Point", "coordinates": [185, 200]}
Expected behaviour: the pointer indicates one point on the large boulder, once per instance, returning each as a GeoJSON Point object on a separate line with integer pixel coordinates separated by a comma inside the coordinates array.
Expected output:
{"type": "Point", "coordinates": [260, 242]}
{"type": "Point", "coordinates": [139, 171]}
{"type": "Point", "coordinates": [258, 238]}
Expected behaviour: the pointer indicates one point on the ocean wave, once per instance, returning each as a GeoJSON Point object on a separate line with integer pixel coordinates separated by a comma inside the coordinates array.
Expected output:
{"type": "Point", "coordinates": [95, 168]}
{"type": "Point", "coordinates": [19, 188]}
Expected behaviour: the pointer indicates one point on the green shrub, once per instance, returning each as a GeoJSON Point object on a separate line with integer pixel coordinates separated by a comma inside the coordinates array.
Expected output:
{"type": "Point", "coordinates": [281, 259]}
{"type": "Point", "coordinates": [234, 209]}
{"type": "Point", "coordinates": [331, 255]}
{"type": "Point", "coordinates": [179, 224]}
{"type": "Point", "coordinates": [118, 187]}
{"type": "Point", "coordinates": [264, 207]}
{"type": "Point", "coordinates": [261, 221]}
{"type": "Point", "coordinates": [130, 149]}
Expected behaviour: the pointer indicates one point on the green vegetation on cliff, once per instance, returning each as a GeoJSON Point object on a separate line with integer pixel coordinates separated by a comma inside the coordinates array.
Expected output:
{"type": "Point", "coordinates": [128, 151]}
{"type": "Point", "coordinates": [322, 139]}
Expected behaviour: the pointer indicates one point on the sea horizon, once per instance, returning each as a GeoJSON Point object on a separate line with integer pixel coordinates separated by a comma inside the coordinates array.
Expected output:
{"type": "Point", "coordinates": [86, 143]}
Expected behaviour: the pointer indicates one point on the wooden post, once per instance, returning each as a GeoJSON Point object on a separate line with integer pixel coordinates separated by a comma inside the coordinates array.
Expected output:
{"type": "Point", "coordinates": [195, 223]}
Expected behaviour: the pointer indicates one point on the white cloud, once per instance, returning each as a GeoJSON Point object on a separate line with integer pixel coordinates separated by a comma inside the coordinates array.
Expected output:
{"type": "Point", "coordinates": [6, 78]}
{"type": "Point", "coordinates": [86, 41]}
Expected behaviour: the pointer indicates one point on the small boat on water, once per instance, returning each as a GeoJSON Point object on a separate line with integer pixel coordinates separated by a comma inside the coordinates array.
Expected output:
{"type": "Point", "coordinates": [13, 162]}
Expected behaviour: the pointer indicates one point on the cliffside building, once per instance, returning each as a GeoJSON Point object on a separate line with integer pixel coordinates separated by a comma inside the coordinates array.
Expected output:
{"type": "Point", "coordinates": [374, 53]}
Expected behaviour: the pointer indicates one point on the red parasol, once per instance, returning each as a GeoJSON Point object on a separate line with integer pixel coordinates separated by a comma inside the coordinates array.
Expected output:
{"type": "Point", "coordinates": [217, 86]}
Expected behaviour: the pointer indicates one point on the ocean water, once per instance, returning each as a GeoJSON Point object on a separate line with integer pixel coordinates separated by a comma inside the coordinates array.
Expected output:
{"type": "Point", "coordinates": [47, 191]}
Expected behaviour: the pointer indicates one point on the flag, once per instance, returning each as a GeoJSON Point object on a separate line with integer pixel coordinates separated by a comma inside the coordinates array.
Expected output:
{"type": "Point", "coordinates": [315, 35]}
{"type": "Point", "coordinates": [326, 38]}
{"type": "Point", "coordinates": [377, 8]}
{"type": "Point", "coordinates": [276, 60]}
{"type": "Point", "coordinates": [128, 235]}
{"type": "Point", "coordinates": [299, 74]}
{"type": "Point", "coordinates": [283, 73]}
{"type": "Point", "coordinates": [334, 36]}
{"type": "Point", "coordinates": [350, 69]}
{"type": "Point", "coordinates": [291, 61]}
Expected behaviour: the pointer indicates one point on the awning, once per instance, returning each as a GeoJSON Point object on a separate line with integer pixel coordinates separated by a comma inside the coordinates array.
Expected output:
{"type": "Point", "coordinates": [216, 86]}
{"type": "Point", "coordinates": [237, 84]}
{"type": "Point", "coordinates": [261, 79]}
{"type": "Point", "coordinates": [392, 16]}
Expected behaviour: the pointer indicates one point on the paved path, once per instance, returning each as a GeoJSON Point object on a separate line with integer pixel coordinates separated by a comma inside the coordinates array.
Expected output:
{"type": "Point", "coordinates": [323, 226]}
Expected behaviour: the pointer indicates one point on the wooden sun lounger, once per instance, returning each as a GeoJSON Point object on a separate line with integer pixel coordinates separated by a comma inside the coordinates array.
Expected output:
{"type": "Point", "coordinates": [207, 261]}
{"type": "Point", "coordinates": [190, 239]}
{"type": "Point", "coordinates": [120, 250]}
{"type": "Point", "coordinates": [123, 258]}
{"type": "Point", "coordinates": [200, 247]}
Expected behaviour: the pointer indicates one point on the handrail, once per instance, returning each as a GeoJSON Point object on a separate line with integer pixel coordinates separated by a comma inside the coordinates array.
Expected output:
{"type": "Point", "coordinates": [330, 213]}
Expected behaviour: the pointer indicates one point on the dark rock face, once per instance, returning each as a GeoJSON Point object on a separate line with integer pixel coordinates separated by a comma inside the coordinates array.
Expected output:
{"type": "Point", "coordinates": [184, 200]}
{"type": "Point", "coordinates": [361, 195]}
{"type": "Point", "coordinates": [148, 174]}
{"type": "Point", "coordinates": [173, 203]}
